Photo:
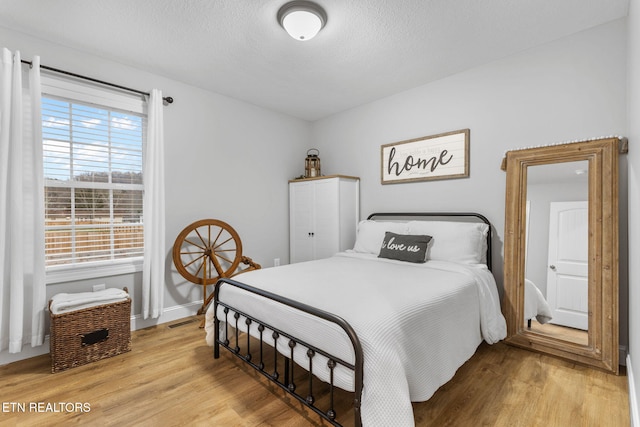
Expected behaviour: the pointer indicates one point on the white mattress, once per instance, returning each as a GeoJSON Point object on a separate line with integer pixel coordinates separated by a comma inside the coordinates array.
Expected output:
{"type": "Point", "coordinates": [418, 323]}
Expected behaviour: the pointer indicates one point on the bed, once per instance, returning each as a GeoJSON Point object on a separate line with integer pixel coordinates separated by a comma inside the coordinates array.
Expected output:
{"type": "Point", "coordinates": [391, 320]}
{"type": "Point", "coordinates": [535, 305]}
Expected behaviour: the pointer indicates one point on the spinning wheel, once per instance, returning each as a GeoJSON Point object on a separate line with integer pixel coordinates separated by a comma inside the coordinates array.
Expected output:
{"type": "Point", "coordinates": [208, 250]}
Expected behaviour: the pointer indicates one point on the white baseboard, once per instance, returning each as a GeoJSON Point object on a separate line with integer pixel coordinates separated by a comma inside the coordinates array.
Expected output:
{"type": "Point", "coordinates": [137, 322]}
{"type": "Point", "coordinates": [27, 352]}
{"type": "Point", "coordinates": [168, 315]}
{"type": "Point", "coordinates": [633, 398]}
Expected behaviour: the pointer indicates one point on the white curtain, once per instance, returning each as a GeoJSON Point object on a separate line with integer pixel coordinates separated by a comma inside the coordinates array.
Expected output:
{"type": "Point", "coordinates": [154, 234]}
{"type": "Point", "coordinates": [22, 272]}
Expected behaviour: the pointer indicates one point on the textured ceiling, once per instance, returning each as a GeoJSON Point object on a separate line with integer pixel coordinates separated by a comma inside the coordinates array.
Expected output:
{"type": "Point", "coordinates": [369, 49]}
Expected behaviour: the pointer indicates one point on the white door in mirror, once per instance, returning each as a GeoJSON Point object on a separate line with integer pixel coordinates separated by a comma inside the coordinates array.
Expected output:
{"type": "Point", "coordinates": [567, 275]}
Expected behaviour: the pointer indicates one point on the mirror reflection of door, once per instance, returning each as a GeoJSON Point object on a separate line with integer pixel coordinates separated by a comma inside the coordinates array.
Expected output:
{"type": "Point", "coordinates": [557, 289]}
{"type": "Point", "coordinates": [567, 273]}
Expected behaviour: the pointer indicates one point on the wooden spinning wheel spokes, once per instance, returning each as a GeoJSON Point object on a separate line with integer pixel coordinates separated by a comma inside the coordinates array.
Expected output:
{"type": "Point", "coordinates": [206, 251]}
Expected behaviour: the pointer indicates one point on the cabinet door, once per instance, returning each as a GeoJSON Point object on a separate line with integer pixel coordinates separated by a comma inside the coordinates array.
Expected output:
{"type": "Point", "coordinates": [301, 217]}
{"type": "Point", "coordinates": [327, 227]}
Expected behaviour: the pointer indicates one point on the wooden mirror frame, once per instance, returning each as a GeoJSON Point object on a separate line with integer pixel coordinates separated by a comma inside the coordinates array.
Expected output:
{"type": "Point", "coordinates": [602, 155]}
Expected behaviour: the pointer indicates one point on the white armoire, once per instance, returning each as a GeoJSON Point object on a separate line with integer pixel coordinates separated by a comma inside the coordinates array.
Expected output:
{"type": "Point", "coordinates": [323, 216]}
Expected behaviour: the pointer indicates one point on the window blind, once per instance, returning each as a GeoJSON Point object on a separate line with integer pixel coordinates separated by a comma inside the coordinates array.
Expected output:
{"type": "Point", "coordinates": [93, 182]}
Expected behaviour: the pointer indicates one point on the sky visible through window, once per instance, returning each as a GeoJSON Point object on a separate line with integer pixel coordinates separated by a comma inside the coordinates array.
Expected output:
{"type": "Point", "coordinates": [89, 141]}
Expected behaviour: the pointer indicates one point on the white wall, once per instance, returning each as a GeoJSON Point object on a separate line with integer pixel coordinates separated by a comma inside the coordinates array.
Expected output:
{"type": "Point", "coordinates": [634, 204]}
{"type": "Point", "coordinates": [569, 89]}
{"type": "Point", "coordinates": [225, 159]}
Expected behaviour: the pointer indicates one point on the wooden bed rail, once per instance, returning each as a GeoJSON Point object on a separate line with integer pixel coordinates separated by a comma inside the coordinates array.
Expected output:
{"type": "Point", "coordinates": [287, 383]}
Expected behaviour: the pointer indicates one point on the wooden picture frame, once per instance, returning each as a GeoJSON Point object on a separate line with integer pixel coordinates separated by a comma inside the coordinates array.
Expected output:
{"type": "Point", "coordinates": [442, 156]}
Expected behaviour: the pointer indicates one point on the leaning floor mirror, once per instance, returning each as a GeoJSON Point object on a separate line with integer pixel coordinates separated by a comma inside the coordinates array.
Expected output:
{"type": "Point", "coordinates": [561, 250]}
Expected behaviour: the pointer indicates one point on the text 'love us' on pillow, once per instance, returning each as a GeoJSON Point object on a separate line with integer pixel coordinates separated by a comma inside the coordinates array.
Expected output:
{"type": "Point", "coordinates": [405, 247]}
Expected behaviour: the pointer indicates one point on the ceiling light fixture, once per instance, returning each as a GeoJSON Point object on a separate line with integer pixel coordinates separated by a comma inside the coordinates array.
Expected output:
{"type": "Point", "coordinates": [302, 19]}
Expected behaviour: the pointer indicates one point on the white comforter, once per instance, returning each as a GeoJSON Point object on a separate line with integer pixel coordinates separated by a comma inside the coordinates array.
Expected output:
{"type": "Point", "coordinates": [418, 323]}
{"type": "Point", "coordinates": [535, 305]}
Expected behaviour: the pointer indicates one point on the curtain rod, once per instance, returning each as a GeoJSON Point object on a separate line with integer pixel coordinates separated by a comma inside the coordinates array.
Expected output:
{"type": "Point", "coordinates": [167, 99]}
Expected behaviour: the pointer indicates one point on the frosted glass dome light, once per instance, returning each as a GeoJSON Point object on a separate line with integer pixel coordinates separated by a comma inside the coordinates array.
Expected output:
{"type": "Point", "coordinates": [302, 19]}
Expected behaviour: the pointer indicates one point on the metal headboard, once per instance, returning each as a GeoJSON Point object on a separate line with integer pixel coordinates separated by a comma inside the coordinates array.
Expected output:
{"type": "Point", "coordinates": [443, 215]}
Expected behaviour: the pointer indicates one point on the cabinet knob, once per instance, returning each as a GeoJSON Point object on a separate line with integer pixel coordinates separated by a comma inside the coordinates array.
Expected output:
{"type": "Point", "coordinates": [311, 234]}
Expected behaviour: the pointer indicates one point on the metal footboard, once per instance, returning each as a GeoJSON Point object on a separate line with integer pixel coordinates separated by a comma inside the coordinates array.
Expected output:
{"type": "Point", "coordinates": [285, 381]}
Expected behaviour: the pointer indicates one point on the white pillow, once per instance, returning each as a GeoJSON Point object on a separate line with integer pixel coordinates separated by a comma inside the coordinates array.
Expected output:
{"type": "Point", "coordinates": [371, 234]}
{"type": "Point", "coordinates": [463, 242]}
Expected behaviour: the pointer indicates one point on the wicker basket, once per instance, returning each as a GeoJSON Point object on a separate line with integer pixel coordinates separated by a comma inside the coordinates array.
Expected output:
{"type": "Point", "coordinates": [84, 336]}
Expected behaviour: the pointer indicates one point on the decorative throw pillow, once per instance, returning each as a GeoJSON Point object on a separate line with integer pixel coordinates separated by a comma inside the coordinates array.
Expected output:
{"type": "Point", "coordinates": [405, 247]}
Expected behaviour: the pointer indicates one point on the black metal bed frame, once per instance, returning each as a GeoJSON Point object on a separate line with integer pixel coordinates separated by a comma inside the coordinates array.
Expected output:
{"type": "Point", "coordinates": [286, 382]}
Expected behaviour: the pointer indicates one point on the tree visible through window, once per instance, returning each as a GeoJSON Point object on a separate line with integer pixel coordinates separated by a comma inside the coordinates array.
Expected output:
{"type": "Point", "coordinates": [93, 182]}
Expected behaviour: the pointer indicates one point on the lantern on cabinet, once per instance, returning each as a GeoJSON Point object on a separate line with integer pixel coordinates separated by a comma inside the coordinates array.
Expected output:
{"type": "Point", "coordinates": [312, 164]}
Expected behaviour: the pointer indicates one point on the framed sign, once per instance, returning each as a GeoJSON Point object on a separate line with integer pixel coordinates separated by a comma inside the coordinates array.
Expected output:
{"type": "Point", "coordinates": [442, 156]}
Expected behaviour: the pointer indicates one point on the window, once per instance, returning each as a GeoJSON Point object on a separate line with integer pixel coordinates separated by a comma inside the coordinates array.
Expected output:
{"type": "Point", "coordinates": [93, 181]}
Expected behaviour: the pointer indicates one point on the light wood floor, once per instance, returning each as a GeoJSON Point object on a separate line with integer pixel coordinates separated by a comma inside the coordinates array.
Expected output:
{"type": "Point", "coordinates": [564, 333]}
{"type": "Point", "coordinates": [171, 379]}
